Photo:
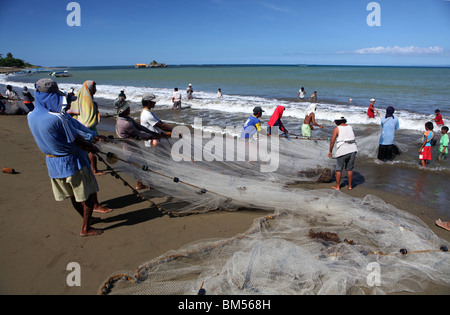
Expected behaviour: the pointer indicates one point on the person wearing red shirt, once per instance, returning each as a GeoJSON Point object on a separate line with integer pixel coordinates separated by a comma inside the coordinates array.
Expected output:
{"type": "Point", "coordinates": [438, 118]}
{"type": "Point", "coordinates": [371, 110]}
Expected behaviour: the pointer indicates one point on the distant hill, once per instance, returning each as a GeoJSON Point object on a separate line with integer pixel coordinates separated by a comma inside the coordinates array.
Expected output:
{"type": "Point", "coordinates": [12, 62]}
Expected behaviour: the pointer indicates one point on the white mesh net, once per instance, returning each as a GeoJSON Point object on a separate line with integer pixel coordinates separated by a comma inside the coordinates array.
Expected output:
{"type": "Point", "coordinates": [310, 242]}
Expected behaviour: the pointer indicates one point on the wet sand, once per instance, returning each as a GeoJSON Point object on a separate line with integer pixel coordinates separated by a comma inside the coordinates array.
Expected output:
{"type": "Point", "coordinates": [40, 237]}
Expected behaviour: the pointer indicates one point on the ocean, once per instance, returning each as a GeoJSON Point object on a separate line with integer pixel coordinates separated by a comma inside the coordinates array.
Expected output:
{"type": "Point", "coordinates": [415, 93]}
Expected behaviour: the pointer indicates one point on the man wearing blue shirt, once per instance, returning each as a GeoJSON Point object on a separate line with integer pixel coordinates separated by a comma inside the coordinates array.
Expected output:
{"type": "Point", "coordinates": [389, 124]}
{"type": "Point", "coordinates": [67, 160]}
{"type": "Point", "coordinates": [253, 124]}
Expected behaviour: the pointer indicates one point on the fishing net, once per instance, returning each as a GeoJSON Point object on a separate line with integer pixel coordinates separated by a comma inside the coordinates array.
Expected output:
{"type": "Point", "coordinates": [310, 242]}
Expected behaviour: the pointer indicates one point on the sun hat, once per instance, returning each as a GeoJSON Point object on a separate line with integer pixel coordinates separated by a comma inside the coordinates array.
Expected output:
{"type": "Point", "coordinates": [47, 85]}
{"type": "Point", "coordinates": [149, 97]}
{"type": "Point", "coordinates": [121, 105]}
{"type": "Point", "coordinates": [339, 117]}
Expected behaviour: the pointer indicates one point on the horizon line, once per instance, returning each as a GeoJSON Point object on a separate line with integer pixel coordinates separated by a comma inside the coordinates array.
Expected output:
{"type": "Point", "coordinates": [262, 64]}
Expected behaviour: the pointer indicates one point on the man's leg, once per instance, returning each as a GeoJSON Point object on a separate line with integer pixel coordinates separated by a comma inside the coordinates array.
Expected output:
{"type": "Point", "coordinates": [338, 180]}
{"type": "Point", "coordinates": [350, 179]}
{"type": "Point", "coordinates": [85, 209]}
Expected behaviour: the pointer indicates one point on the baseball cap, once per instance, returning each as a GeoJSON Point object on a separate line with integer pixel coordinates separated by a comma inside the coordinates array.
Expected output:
{"type": "Point", "coordinates": [258, 110]}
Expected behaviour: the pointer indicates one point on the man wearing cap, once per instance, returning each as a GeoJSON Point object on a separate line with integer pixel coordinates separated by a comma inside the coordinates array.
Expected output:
{"type": "Point", "coordinates": [253, 124]}
{"type": "Point", "coordinates": [149, 119]}
{"type": "Point", "coordinates": [66, 152]}
{"type": "Point", "coordinates": [346, 150]}
{"type": "Point", "coordinates": [371, 110]}
{"type": "Point", "coordinates": [127, 127]}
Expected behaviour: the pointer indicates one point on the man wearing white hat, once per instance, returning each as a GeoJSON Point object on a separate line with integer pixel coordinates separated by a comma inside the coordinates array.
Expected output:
{"type": "Point", "coordinates": [189, 92]}
{"type": "Point", "coordinates": [149, 119]}
{"type": "Point", "coordinates": [346, 150]}
{"type": "Point", "coordinates": [371, 110]}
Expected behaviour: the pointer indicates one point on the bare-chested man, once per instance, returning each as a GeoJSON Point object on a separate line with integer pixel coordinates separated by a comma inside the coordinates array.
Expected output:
{"type": "Point", "coordinates": [310, 120]}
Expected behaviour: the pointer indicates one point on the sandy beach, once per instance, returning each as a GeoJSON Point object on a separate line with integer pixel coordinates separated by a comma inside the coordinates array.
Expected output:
{"type": "Point", "coordinates": [40, 237]}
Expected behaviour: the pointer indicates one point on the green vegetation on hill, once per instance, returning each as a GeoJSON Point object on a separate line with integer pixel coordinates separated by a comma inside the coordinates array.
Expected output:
{"type": "Point", "coordinates": [10, 61]}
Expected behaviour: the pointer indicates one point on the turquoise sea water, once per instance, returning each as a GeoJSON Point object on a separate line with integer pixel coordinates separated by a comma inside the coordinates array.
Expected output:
{"type": "Point", "coordinates": [416, 89]}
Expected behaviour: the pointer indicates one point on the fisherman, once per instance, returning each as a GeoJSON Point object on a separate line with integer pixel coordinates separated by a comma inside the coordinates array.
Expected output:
{"type": "Point", "coordinates": [122, 94]}
{"type": "Point", "coordinates": [275, 120]}
{"type": "Point", "coordinates": [149, 119]}
{"type": "Point", "coordinates": [67, 160]}
{"type": "Point", "coordinates": [189, 92]}
{"type": "Point", "coordinates": [127, 128]}
{"type": "Point", "coordinates": [313, 97]}
{"type": "Point", "coordinates": [389, 124]}
{"type": "Point", "coordinates": [176, 99]}
{"type": "Point", "coordinates": [253, 124]}
{"type": "Point", "coordinates": [85, 110]}
{"type": "Point", "coordinates": [371, 110]}
{"type": "Point", "coordinates": [344, 138]}
{"type": "Point", "coordinates": [301, 93]}
{"type": "Point", "coordinates": [14, 105]}
{"type": "Point", "coordinates": [438, 119]}
{"type": "Point", "coordinates": [28, 99]}
{"type": "Point", "coordinates": [310, 120]}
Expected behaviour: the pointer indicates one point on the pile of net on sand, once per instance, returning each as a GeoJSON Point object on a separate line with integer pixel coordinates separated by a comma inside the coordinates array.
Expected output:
{"type": "Point", "coordinates": [310, 242]}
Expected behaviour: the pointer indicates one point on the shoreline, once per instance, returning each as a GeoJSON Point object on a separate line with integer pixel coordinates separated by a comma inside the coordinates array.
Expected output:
{"type": "Point", "coordinates": [40, 236]}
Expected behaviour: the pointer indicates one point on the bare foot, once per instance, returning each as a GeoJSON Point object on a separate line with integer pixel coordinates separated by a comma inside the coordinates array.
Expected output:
{"type": "Point", "coordinates": [91, 232]}
{"type": "Point", "coordinates": [350, 188]}
{"type": "Point", "coordinates": [444, 225]}
{"type": "Point", "coordinates": [99, 173]}
{"type": "Point", "coordinates": [337, 187]}
{"type": "Point", "coordinates": [101, 209]}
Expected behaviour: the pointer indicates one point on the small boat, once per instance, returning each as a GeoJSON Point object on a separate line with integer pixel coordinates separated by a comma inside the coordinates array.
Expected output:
{"type": "Point", "coordinates": [61, 74]}
{"type": "Point", "coordinates": [21, 73]}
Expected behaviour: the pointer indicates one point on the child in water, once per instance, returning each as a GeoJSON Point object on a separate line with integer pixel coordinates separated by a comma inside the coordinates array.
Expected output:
{"type": "Point", "coordinates": [425, 148]}
{"type": "Point", "coordinates": [443, 148]}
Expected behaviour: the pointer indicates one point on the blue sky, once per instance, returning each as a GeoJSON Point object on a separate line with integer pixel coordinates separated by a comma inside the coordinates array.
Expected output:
{"type": "Point", "coordinates": [412, 32]}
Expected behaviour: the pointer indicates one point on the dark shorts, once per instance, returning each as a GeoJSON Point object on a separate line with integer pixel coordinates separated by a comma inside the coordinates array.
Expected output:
{"type": "Point", "coordinates": [347, 161]}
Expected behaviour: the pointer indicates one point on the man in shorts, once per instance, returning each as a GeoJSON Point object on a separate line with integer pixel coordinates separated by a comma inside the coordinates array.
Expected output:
{"type": "Point", "coordinates": [67, 160]}
{"type": "Point", "coordinates": [344, 138]}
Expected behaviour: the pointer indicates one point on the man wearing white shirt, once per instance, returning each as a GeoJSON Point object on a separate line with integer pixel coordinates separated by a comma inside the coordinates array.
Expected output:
{"type": "Point", "coordinates": [176, 99]}
{"type": "Point", "coordinates": [149, 120]}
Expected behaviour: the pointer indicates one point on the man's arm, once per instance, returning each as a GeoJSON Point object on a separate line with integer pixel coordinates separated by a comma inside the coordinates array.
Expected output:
{"type": "Point", "coordinates": [333, 140]}
{"type": "Point", "coordinates": [85, 145]}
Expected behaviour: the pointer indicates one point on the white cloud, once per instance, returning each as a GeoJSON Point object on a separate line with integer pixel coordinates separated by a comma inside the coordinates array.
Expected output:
{"type": "Point", "coordinates": [396, 50]}
{"type": "Point", "coordinates": [277, 8]}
